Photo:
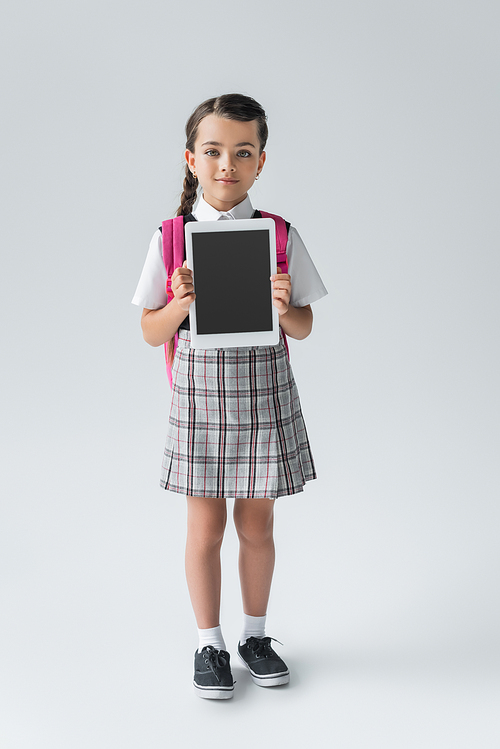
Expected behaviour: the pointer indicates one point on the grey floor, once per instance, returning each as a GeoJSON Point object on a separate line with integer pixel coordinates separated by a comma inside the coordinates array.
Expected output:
{"type": "Point", "coordinates": [97, 634]}
{"type": "Point", "coordinates": [135, 692]}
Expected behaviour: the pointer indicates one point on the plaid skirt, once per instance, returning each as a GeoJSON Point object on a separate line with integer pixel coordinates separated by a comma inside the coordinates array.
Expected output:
{"type": "Point", "coordinates": [235, 427]}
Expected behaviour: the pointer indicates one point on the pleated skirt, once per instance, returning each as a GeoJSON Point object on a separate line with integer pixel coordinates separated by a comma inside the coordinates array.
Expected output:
{"type": "Point", "coordinates": [235, 428]}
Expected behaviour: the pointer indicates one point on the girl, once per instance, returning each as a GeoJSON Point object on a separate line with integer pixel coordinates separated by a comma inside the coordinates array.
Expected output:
{"type": "Point", "coordinates": [235, 428]}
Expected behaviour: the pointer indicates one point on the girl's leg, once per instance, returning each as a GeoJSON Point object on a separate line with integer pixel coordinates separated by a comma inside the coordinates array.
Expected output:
{"type": "Point", "coordinates": [253, 519]}
{"type": "Point", "coordinates": [205, 530]}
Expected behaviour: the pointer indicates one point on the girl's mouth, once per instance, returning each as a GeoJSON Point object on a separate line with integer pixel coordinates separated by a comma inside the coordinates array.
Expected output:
{"type": "Point", "coordinates": [227, 181]}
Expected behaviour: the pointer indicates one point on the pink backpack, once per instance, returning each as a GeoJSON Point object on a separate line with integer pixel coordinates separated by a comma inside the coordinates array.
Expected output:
{"type": "Point", "coordinates": [174, 256]}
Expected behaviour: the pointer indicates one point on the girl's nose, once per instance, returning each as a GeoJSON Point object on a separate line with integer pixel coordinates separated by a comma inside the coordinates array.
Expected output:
{"type": "Point", "coordinates": [227, 165]}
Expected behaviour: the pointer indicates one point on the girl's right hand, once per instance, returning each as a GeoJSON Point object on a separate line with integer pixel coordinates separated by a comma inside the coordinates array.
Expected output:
{"type": "Point", "coordinates": [182, 287]}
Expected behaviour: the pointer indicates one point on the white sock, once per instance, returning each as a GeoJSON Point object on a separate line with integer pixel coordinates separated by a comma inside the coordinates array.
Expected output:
{"type": "Point", "coordinates": [212, 636]}
{"type": "Point", "coordinates": [253, 626]}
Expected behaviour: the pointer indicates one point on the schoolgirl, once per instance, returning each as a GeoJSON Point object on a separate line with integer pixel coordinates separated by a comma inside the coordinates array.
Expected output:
{"type": "Point", "coordinates": [235, 428]}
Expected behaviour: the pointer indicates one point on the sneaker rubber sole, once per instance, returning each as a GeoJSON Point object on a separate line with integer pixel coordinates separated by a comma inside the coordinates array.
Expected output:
{"type": "Point", "coordinates": [213, 693]}
{"type": "Point", "coordinates": [271, 680]}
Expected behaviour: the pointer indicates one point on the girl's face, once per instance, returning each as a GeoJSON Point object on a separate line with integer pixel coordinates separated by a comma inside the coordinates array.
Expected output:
{"type": "Point", "coordinates": [226, 160]}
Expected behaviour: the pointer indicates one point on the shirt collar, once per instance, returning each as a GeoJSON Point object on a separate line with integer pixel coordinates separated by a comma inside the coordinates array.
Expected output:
{"type": "Point", "coordinates": [205, 212]}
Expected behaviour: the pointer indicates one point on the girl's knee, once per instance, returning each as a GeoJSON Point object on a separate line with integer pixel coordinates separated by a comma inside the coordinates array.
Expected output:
{"type": "Point", "coordinates": [254, 524]}
{"type": "Point", "coordinates": [206, 521]}
{"type": "Point", "coordinates": [206, 536]}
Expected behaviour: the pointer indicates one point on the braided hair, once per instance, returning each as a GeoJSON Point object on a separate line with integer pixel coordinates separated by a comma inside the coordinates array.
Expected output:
{"type": "Point", "coordinates": [230, 107]}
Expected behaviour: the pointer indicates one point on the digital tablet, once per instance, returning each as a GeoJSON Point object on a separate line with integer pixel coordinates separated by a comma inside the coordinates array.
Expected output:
{"type": "Point", "coordinates": [232, 262]}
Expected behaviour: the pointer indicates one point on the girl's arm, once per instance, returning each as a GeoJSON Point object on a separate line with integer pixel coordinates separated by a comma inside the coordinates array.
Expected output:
{"type": "Point", "coordinates": [160, 325]}
{"type": "Point", "coordinates": [295, 321]}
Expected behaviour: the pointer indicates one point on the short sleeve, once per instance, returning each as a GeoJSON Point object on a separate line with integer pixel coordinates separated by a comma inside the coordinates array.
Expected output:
{"type": "Point", "coordinates": [151, 291]}
{"type": "Point", "coordinates": [307, 286]}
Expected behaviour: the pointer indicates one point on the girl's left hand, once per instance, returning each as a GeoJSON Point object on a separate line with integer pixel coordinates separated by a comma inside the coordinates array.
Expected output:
{"type": "Point", "coordinates": [282, 288]}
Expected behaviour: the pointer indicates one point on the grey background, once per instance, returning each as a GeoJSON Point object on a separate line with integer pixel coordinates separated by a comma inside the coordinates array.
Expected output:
{"type": "Point", "coordinates": [384, 121]}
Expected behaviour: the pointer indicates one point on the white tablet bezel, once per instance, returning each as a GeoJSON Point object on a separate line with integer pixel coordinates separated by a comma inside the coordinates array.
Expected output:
{"type": "Point", "coordinates": [232, 340]}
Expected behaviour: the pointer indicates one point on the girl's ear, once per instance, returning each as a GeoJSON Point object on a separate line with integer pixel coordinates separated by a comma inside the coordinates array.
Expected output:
{"type": "Point", "coordinates": [189, 159]}
{"type": "Point", "coordinates": [262, 160]}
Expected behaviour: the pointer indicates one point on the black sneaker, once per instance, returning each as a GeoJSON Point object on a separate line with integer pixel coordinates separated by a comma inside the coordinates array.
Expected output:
{"type": "Point", "coordinates": [212, 674]}
{"type": "Point", "coordinates": [266, 668]}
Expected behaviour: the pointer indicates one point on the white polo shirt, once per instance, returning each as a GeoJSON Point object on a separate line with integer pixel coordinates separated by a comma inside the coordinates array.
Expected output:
{"type": "Point", "coordinates": [307, 286]}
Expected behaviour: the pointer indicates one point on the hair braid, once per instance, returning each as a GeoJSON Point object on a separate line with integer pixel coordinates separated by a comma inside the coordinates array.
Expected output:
{"type": "Point", "coordinates": [189, 193]}
{"type": "Point", "coordinates": [171, 350]}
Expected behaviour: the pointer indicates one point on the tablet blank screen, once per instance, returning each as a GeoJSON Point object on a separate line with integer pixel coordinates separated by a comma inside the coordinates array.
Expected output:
{"type": "Point", "coordinates": [231, 277]}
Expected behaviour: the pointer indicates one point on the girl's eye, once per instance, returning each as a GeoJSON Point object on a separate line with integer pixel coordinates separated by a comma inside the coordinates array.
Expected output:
{"type": "Point", "coordinates": [245, 154]}
{"type": "Point", "coordinates": [211, 152]}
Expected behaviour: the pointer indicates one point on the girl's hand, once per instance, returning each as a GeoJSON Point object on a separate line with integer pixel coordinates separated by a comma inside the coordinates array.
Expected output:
{"type": "Point", "coordinates": [182, 287]}
{"type": "Point", "coordinates": [282, 288]}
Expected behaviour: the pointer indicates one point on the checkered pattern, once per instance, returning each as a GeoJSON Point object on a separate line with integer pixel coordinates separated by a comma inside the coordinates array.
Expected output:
{"type": "Point", "coordinates": [235, 426]}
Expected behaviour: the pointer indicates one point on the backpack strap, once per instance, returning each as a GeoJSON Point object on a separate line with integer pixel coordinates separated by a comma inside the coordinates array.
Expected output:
{"type": "Point", "coordinates": [281, 239]}
{"type": "Point", "coordinates": [172, 231]}
{"type": "Point", "coordinates": [281, 258]}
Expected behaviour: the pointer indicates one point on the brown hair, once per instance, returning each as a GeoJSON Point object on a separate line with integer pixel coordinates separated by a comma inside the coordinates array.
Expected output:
{"type": "Point", "coordinates": [230, 107]}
